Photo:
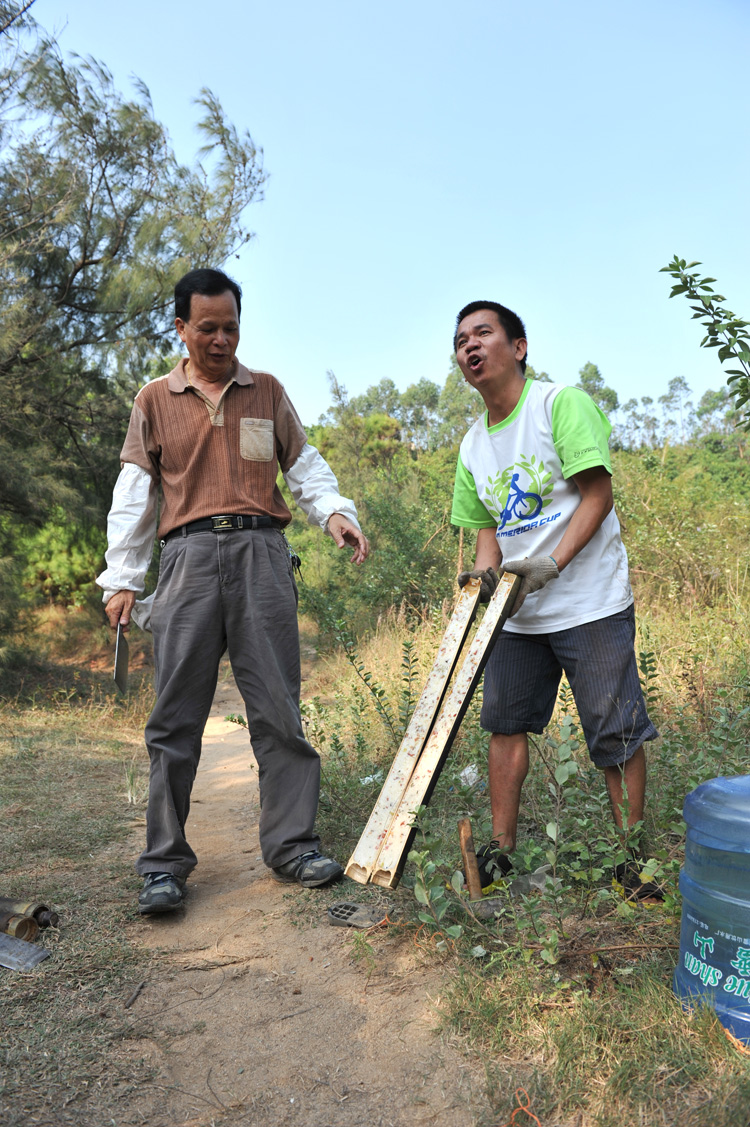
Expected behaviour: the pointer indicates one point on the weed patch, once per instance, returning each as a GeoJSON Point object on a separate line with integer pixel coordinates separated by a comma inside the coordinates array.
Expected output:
{"type": "Point", "coordinates": [565, 991]}
{"type": "Point", "coordinates": [622, 1053]}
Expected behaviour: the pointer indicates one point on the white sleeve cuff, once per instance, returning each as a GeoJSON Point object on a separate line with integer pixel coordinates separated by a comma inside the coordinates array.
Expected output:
{"type": "Point", "coordinates": [314, 487]}
{"type": "Point", "coordinates": [131, 527]}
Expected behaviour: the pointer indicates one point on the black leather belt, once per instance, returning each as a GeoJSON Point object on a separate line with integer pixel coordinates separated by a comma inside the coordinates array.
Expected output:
{"type": "Point", "coordinates": [226, 523]}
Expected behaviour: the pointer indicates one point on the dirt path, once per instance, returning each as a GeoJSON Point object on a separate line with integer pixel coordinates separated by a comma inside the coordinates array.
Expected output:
{"type": "Point", "coordinates": [269, 1017]}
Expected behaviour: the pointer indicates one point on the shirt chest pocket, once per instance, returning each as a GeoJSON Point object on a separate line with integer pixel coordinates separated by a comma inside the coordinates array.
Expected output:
{"type": "Point", "coordinates": [256, 440]}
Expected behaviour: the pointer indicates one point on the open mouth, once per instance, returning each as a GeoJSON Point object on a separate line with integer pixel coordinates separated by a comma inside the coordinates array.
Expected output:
{"type": "Point", "coordinates": [475, 362]}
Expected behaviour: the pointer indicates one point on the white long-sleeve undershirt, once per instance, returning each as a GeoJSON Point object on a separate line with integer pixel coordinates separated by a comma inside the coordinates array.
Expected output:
{"type": "Point", "coordinates": [132, 520]}
{"type": "Point", "coordinates": [131, 527]}
{"type": "Point", "coordinates": [314, 487]}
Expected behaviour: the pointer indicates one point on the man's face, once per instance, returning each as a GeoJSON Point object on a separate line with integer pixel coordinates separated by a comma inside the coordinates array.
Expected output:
{"type": "Point", "coordinates": [211, 334]}
{"type": "Point", "coordinates": [487, 358]}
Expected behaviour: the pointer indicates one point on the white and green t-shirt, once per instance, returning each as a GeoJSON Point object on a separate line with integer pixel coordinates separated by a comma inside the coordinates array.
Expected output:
{"type": "Point", "coordinates": [516, 477]}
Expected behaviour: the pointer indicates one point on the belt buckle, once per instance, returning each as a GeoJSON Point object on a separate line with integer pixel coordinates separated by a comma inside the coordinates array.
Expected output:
{"type": "Point", "coordinates": [225, 523]}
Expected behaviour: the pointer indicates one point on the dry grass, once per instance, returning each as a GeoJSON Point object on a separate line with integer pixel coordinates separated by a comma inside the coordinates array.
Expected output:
{"type": "Point", "coordinates": [596, 1041]}
{"type": "Point", "coordinates": [615, 1051]}
{"type": "Point", "coordinates": [66, 741]}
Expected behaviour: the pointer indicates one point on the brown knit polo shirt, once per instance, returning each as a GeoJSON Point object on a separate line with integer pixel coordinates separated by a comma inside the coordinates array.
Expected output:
{"type": "Point", "coordinates": [215, 460]}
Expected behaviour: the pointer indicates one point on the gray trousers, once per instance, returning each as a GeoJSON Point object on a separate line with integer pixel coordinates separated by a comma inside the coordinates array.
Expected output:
{"type": "Point", "coordinates": [228, 591]}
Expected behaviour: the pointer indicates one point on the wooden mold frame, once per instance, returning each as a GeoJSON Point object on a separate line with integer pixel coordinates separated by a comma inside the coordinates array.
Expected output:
{"type": "Point", "coordinates": [365, 855]}
{"type": "Point", "coordinates": [382, 850]}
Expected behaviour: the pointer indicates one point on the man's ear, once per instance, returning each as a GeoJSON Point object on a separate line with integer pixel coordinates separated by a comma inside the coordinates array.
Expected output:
{"type": "Point", "coordinates": [522, 347]}
{"type": "Point", "coordinates": [179, 324]}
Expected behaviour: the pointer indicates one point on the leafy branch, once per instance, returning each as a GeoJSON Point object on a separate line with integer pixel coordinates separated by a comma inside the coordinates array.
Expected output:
{"type": "Point", "coordinates": [376, 690]}
{"type": "Point", "coordinates": [724, 329]}
{"type": "Point", "coordinates": [409, 682]}
{"type": "Point", "coordinates": [429, 891]}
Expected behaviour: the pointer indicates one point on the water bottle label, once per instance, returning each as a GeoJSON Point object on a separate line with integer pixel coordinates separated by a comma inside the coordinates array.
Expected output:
{"type": "Point", "coordinates": [708, 951]}
{"type": "Point", "coordinates": [709, 975]}
{"type": "Point", "coordinates": [740, 987]}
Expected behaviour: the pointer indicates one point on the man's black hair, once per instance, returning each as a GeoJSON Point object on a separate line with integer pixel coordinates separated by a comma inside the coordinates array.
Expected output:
{"type": "Point", "coordinates": [511, 322]}
{"type": "Point", "coordinates": [209, 283]}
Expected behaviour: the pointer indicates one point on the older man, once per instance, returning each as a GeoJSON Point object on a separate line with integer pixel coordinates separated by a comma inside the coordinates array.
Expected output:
{"type": "Point", "coordinates": [212, 435]}
{"type": "Point", "coordinates": [534, 479]}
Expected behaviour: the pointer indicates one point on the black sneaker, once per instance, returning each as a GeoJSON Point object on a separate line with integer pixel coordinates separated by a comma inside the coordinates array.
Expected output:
{"type": "Point", "coordinates": [310, 869]}
{"type": "Point", "coordinates": [628, 880]}
{"type": "Point", "coordinates": [493, 864]}
{"type": "Point", "coordinates": [161, 892]}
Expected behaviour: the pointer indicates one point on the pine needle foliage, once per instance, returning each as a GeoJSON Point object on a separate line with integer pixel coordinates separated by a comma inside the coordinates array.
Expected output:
{"type": "Point", "coordinates": [98, 219]}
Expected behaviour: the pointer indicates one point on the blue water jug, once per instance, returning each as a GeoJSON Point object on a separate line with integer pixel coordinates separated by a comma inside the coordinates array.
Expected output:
{"type": "Point", "coordinates": [714, 961]}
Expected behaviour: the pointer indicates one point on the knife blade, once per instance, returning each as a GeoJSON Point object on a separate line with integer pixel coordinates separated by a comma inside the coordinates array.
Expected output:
{"type": "Point", "coordinates": [17, 954]}
{"type": "Point", "coordinates": [121, 660]}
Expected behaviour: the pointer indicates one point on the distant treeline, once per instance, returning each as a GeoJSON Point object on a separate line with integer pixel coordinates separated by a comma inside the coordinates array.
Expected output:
{"type": "Point", "coordinates": [681, 480]}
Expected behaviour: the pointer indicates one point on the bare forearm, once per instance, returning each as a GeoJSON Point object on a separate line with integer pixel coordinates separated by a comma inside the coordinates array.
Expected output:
{"type": "Point", "coordinates": [596, 504]}
{"type": "Point", "coordinates": [488, 550]}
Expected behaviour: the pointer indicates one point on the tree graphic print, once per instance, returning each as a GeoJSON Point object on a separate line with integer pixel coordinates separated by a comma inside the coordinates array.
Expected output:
{"type": "Point", "coordinates": [519, 493]}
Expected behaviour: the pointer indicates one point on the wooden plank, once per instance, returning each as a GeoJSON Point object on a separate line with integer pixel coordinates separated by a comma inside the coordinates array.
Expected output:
{"type": "Point", "coordinates": [468, 853]}
{"type": "Point", "coordinates": [366, 852]}
{"type": "Point", "coordinates": [389, 866]}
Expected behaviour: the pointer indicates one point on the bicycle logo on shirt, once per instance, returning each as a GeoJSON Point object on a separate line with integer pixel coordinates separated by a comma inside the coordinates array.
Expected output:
{"type": "Point", "coordinates": [520, 493]}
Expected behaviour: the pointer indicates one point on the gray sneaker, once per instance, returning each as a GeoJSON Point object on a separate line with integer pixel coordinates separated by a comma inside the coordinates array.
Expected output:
{"type": "Point", "coordinates": [161, 892]}
{"type": "Point", "coordinates": [310, 869]}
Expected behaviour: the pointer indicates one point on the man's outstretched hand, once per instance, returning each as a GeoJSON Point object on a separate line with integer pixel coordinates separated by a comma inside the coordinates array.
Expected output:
{"type": "Point", "coordinates": [489, 582]}
{"type": "Point", "coordinates": [344, 532]}
{"type": "Point", "coordinates": [119, 608]}
{"type": "Point", "coordinates": [536, 571]}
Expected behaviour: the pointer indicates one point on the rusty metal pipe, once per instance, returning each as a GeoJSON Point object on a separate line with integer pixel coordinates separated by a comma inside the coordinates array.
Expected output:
{"type": "Point", "coordinates": [44, 916]}
{"type": "Point", "coordinates": [19, 926]}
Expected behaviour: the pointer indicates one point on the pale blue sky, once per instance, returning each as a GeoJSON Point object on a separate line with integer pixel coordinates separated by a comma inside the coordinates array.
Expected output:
{"type": "Point", "coordinates": [548, 155]}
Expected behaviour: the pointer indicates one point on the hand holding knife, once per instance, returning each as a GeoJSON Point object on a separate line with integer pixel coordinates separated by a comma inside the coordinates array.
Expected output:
{"type": "Point", "coordinates": [118, 611]}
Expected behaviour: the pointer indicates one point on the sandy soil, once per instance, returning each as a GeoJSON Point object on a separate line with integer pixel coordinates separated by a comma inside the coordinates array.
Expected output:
{"type": "Point", "coordinates": [268, 1015]}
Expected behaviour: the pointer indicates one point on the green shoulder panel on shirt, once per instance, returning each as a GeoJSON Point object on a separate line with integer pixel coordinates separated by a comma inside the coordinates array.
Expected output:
{"type": "Point", "coordinates": [468, 511]}
{"type": "Point", "coordinates": [580, 432]}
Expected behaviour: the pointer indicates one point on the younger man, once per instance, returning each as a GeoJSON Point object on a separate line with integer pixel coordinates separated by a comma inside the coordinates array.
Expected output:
{"type": "Point", "coordinates": [534, 479]}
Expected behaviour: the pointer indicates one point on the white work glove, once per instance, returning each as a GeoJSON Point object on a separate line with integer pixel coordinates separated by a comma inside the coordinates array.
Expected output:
{"type": "Point", "coordinates": [536, 571]}
{"type": "Point", "coordinates": [489, 581]}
